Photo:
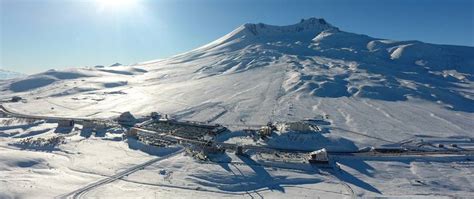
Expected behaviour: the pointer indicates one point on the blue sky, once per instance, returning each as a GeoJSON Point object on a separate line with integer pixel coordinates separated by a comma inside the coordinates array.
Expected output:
{"type": "Point", "coordinates": [37, 35]}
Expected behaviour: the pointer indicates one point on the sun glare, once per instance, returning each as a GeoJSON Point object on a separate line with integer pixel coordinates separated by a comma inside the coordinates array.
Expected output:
{"type": "Point", "coordinates": [116, 4]}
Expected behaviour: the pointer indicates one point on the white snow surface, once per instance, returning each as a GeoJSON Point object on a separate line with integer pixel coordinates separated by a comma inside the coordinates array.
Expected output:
{"type": "Point", "coordinates": [259, 73]}
{"type": "Point", "coordinates": [85, 157]}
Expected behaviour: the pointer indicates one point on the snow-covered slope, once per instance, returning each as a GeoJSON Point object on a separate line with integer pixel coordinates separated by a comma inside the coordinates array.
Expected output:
{"type": "Point", "coordinates": [375, 91]}
{"type": "Point", "coordinates": [259, 73]}
{"type": "Point", "coordinates": [5, 74]}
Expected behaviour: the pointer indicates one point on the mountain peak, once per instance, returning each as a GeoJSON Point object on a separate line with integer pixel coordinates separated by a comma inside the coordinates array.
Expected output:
{"type": "Point", "coordinates": [305, 30]}
{"type": "Point", "coordinates": [315, 22]}
{"type": "Point", "coordinates": [116, 64]}
{"type": "Point", "coordinates": [310, 25]}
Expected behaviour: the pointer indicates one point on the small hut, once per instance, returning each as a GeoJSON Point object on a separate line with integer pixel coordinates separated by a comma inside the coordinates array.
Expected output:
{"type": "Point", "coordinates": [319, 157]}
{"type": "Point", "coordinates": [265, 131]}
{"type": "Point", "coordinates": [127, 119]}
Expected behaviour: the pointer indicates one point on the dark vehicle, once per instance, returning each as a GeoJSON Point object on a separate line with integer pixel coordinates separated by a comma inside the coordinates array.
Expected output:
{"type": "Point", "coordinates": [390, 150]}
{"type": "Point", "coordinates": [16, 99]}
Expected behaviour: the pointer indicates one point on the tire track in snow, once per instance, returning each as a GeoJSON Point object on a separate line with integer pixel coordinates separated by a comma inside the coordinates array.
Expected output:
{"type": "Point", "coordinates": [241, 184]}
{"type": "Point", "coordinates": [333, 173]}
{"type": "Point", "coordinates": [446, 121]}
{"type": "Point", "coordinates": [348, 121]}
{"type": "Point", "coordinates": [379, 110]}
{"type": "Point", "coordinates": [280, 93]}
{"type": "Point", "coordinates": [217, 116]}
{"type": "Point", "coordinates": [365, 135]}
{"type": "Point", "coordinates": [347, 117]}
{"type": "Point", "coordinates": [386, 114]}
{"type": "Point", "coordinates": [59, 105]}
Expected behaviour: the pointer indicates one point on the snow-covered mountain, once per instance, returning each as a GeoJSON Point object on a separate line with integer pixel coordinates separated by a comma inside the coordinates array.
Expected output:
{"type": "Point", "coordinates": [375, 92]}
{"type": "Point", "coordinates": [5, 74]}
{"type": "Point", "coordinates": [259, 73]}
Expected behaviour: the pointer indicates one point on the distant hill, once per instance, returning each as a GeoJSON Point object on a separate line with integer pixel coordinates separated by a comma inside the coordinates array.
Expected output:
{"type": "Point", "coordinates": [5, 74]}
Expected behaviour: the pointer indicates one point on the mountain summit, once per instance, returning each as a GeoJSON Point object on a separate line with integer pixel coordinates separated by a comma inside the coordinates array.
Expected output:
{"type": "Point", "coordinates": [309, 26]}
{"type": "Point", "coordinates": [305, 30]}
{"type": "Point", "coordinates": [316, 37]}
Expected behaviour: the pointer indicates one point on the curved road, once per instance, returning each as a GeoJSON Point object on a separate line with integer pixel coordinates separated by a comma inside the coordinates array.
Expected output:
{"type": "Point", "coordinates": [82, 191]}
{"type": "Point", "coordinates": [21, 115]}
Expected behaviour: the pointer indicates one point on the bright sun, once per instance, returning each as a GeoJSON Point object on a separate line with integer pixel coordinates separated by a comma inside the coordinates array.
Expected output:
{"type": "Point", "coordinates": [116, 4]}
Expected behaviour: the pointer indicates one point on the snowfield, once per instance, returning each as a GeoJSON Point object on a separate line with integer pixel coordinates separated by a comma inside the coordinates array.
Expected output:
{"type": "Point", "coordinates": [376, 92]}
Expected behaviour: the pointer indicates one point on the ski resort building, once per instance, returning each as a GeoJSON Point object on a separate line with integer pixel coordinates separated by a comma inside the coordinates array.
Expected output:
{"type": "Point", "coordinates": [94, 125]}
{"type": "Point", "coordinates": [265, 131]}
{"type": "Point", "coordinates": [65, 123]}
{"type": "Point", "coordinates": [164, 132]}
{"type": "Point", "coordinates": [155, 116]}
{"type": "Point", "coordinates": [184, 129]}
{"type": "Point", "coordinates": [296, 126]}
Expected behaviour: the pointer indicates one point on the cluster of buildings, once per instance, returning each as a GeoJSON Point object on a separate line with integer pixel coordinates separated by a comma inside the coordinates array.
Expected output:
{"type": "Point", "coordinates": [199, 138]}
